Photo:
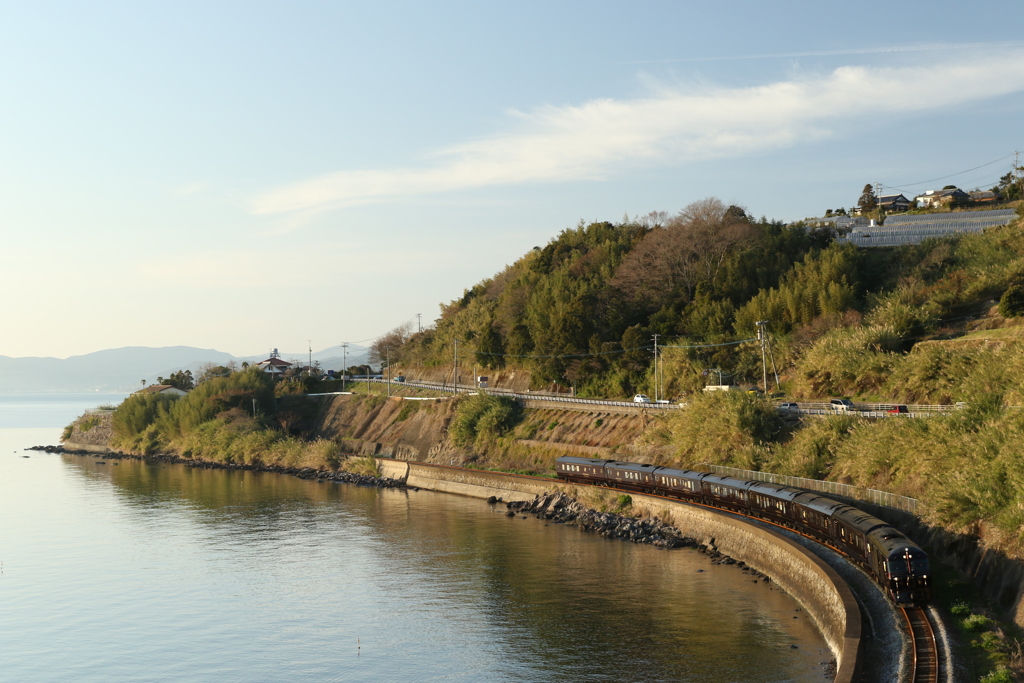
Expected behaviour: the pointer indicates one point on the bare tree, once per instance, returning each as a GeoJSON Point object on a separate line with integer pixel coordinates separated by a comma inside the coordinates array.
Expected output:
{"type": "Point", "coordinates": [393, 339]}
{"type": "Point", "coordinates": [689, 249]}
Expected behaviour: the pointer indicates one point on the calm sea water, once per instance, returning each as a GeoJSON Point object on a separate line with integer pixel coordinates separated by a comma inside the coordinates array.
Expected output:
{"type": "Point", "coordinates": [135, 572]}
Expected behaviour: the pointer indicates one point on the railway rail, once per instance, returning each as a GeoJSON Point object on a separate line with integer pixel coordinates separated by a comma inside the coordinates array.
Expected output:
{"type": "Point", "coordinates": [925, 663]}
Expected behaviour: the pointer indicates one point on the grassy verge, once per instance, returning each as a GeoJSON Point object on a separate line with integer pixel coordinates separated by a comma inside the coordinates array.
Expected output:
{"type": "Point", "coordinates": [992, 649]}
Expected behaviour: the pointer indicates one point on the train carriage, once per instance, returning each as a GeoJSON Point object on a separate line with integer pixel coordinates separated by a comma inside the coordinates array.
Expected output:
{"type": "Point", "coordinates": [581, 470]}
{"type": "Point", "coordinates": [903, 569]}
{"type": "Point", "coordinates": [631, 476]}
{"type": "Point", "coordinates": [772, 501]}
{"type": "Point", "coordinates": [814, 515]}
{"type": "Point", "coordinates": [725, 492]}
{"type": "Point", "coordinates": [852, 529]}
{"type": "Point", "coordinates": [683, 484]}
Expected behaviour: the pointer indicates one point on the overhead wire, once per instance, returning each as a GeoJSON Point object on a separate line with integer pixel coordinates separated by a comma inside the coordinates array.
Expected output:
{"type": "Point", "coordinates": [952, 175]}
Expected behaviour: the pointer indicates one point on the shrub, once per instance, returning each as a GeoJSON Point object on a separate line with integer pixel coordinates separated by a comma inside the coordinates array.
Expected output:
{"type": "Point", "coordinates": [483, 417]}
{"type": "Point", "coordinates": [138, 412]}
{"type": "Point", "coordinates": [960, 609]}
{"type": "Point", "coordinates": [1000, 675]}
{"type": "Point", "coordinates": [1011, 305]}
{"type": "Point", "coordinates": [624, 501]}
{"type": "Point", "coordinates": [726, 428]}
{"type": "Point", "coordinates": [976, 622]}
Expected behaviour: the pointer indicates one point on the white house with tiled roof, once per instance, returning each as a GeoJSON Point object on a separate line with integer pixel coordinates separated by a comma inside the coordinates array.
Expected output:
{"type": "Point", "coordinates": [274, 366]}
{"type": "Point", "coordinates": [163, 390]}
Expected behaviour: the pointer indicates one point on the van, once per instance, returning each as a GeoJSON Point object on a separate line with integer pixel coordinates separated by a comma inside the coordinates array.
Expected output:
{"type": "Point", "coordinates": [842, 405]}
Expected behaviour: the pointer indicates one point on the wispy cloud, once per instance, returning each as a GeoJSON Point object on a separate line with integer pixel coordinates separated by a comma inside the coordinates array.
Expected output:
{"type": "Point", "coordinates": [880, 50]}
{"type": "Point", "coordinates": [673, 124]}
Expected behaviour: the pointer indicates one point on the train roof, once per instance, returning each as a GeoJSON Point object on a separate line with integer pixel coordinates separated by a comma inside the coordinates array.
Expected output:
{"type": "Point", "coordinates": [775, 490]}
{"type": "Point", "coordinates": [728, 481]}
{"type": "Point", "coordinates": [573, 460]}
{"type": "Point", "coordinates": [813, 501]}
{"type": "Point", "coordinates": [859, 520]}
{"type": "Point", "coordinates": [681, 474]}
{"type": "Point", "coordinates": [631, 466]}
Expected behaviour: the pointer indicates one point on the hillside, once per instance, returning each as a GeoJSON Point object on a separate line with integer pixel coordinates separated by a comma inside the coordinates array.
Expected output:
{"type": "Point", "coordinates": [582, 312]}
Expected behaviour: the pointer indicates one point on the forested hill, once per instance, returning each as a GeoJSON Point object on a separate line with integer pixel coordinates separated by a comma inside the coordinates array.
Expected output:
{"type": "Point", "coordinates": [583, 310]}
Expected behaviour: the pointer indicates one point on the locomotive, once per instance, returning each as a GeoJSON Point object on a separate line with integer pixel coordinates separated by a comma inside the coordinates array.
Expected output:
{"type": "Point", "coordinates": [895, 562]}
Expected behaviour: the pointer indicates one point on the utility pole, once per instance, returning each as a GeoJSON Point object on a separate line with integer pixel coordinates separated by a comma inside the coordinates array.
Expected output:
{"type": "Point", "coordinates": [419, 322]}
{"type": "Point", "coordinates": [455, 370]}
{"type": "Point", "coordinates": [1017, 174]}
{"type": "Point", "coordinates": [344, 363]}
{"type": "Point", "coordinates": [764, 362]}
{"type": "Point", "coordinates": [309, 368]}
{"type": "Point", "coordinates": [656, 368]}
{"type": "Point", "coordinates": [388, 348]}
{"type": "Point", "coordinates": [762, 335]}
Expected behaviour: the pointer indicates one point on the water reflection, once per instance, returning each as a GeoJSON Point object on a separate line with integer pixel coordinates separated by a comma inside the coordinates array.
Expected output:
{"type": "Point", "coordinates": [451, 588]}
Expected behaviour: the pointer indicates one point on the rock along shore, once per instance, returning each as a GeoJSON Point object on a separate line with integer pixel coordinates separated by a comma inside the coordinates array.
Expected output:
{"type": "Point", "coordinates": [563, 509]}
{"type": "Point", "coordinates": [300, 472]}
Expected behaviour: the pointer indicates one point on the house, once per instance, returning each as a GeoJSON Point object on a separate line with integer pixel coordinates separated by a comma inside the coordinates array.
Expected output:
{"type": "Point", "coordinates": [932, 199]}
{"type": "Point", "coordinates": [893, 203]}
{"type": "Point", "coordinates": [274, 366]}
{"type": "Point", "coordinates": [162, 389]}
{"type": "Point", "coordinates": [985, 196]}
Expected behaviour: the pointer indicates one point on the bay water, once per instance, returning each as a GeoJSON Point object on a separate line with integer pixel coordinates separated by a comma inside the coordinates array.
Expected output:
{"type": "Point", "coordinates": [132, 571]}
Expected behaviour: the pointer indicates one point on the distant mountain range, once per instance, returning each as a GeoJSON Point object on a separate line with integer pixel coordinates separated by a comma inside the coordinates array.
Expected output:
{"type": "Point", "coordinates": [122, 370]}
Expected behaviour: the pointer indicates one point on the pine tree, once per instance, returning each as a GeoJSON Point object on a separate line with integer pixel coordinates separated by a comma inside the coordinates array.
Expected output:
{"type": "Point", "coordinates": [868, 202]}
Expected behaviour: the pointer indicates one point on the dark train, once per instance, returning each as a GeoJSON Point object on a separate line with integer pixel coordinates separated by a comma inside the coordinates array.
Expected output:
{"type": "Point", "coordinates": [895, 562]}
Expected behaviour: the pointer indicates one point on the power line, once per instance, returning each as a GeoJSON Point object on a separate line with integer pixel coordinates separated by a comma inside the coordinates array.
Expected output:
{"type": "Point", "coordinates": [933, 180]}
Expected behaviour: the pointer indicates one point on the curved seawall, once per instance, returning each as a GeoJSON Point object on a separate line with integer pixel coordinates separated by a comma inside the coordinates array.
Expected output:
{"type": "Point", "coordinates": [815, 585]}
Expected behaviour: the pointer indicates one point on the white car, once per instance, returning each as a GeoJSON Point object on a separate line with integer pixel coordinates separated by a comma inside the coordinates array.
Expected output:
{"type": "Point", "coordinates": [641, 398]}
{"type": "Point", "coordinates": [842, 405]}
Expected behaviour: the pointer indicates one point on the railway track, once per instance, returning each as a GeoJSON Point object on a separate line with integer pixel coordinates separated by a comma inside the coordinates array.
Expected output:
{"type": "Point", "coordinates": [925, 664]}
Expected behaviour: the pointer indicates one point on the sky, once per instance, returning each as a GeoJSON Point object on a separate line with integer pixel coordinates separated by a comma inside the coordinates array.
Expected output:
{"type": "Point", "coordinates": [249, 175]}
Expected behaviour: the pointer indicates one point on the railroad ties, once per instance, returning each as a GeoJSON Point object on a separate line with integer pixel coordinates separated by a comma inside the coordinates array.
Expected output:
{"type": "Point", "coordinates": [925, 665]}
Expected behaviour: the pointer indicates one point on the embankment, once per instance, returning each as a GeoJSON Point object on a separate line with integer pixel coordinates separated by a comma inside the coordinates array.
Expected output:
{"type": "Point", "coordinates": [91, 432]}
{"type": "Point", "coordinates": [418, 431]}
{"type": "Point", "coordinates": [815, 585]}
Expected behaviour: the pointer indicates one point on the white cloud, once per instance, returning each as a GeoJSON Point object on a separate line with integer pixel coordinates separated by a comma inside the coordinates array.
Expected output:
{"type": "Point", "coordinates": [671, 125]}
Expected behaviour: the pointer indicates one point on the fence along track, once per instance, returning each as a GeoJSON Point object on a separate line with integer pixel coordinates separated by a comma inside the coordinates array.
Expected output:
{"type": "Point", "coordinates": [926, 652]}
{"type": "Point", "coordinates": [884, 498]}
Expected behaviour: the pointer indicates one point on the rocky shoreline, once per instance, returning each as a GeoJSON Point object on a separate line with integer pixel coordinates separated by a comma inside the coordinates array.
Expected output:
{"type": "Point", "coordinates": [558, 508]}
{"type": "Point", "coordinates": [563, 509]}
{"type": "Point", "coordinates": [300, 472]}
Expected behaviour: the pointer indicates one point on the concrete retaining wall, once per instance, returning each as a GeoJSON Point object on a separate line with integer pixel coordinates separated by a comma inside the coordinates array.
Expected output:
{"type": "Point", "coordinates": [816, 586]}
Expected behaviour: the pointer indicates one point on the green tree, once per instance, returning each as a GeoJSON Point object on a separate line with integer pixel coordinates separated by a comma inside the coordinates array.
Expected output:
{"type": "Point", "coordinates": [490, 352]}
{"type": "Point", "coordinates": [182, 379]}
{"type": "Point", "coordinates": [868, 202]}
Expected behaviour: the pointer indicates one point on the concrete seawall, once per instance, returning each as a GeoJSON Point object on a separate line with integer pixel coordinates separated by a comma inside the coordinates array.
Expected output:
{"type": "Point", "coordinates": [816, 586]}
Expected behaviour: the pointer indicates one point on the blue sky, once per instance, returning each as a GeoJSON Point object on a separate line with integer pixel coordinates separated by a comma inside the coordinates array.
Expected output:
{"type": "Point", "coordinates": [242, 176]}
